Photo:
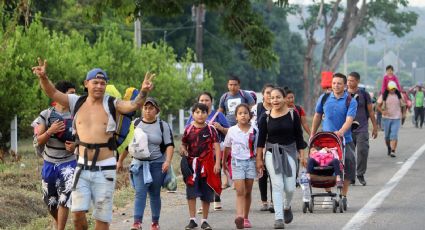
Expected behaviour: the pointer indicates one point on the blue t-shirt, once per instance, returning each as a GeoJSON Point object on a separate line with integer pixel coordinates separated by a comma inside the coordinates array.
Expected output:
{"type": "Point", "coordinates": [335, 111]}
{"type": "Point", "coordinates": [220, 118]}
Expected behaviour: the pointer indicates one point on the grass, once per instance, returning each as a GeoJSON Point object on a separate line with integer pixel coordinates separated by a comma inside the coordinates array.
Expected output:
{"type": "Point", "coordinates": [21, 202]}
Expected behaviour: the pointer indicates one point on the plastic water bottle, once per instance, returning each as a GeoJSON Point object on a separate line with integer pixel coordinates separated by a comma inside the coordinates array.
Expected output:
{"type": "Point", "coordinates": [305, 186]}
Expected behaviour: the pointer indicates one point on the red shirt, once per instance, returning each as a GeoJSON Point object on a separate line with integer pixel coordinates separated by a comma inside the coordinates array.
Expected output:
{"type": "Point", "coordinates": [200, 141]}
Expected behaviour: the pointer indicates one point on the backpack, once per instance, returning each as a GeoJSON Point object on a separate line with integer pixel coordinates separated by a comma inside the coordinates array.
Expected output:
{"type": "Point", "coordinates": [297, 109]}
{"type": "Point", "coordinates": [138, 148]}
{"type": "Point", "coordinates": [162, 146]}
{"type": "Point", "coordinates": [326, 96]}
{"type": "Point", "coordinates": [364, 94]}
{"type": "Point", "coordinates": [63, 136]}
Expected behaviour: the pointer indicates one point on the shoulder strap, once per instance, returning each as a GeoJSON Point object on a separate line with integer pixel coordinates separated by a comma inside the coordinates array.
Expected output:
{"type": "Point", "coordinates": [292, 114]}
{"type": "Point", "coordinates": [78, 104]}
{"type": "Point", "coordinates": [260, 107]}
{"type": "Point", "coordinates": [348, 100]}
{"type": "Point", "coordinates": [213, 118]}
{"type": "Point", "coordinates": [137, 121]}
{"type": "Point", "coordinates": [112, 109]}
{"type": "Point", "coordinates": [242, 93]}
{"type": "Point", "coordinates": [324, 98]}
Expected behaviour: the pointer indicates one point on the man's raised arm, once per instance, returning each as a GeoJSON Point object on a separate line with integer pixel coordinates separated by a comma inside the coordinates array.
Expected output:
{"type": "Point", "coordinates": [125, 107]}
{"type": "Point", "coordinates": [47, 86]}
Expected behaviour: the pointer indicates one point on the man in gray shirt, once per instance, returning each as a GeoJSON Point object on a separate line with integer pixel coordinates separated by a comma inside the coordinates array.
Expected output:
{"type": "Point", "coordinates": [360, 130]}
{"type": "Point", "coordinates": [233, 98]}
{"type": "Point", "coordinates": [54, 131]}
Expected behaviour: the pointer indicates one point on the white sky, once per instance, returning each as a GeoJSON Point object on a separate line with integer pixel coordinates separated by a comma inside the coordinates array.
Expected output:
{"type": "Point", "coordinates": [411, 2]}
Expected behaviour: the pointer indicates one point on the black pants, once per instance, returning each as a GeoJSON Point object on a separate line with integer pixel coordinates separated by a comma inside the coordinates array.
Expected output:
{"type": "Point", "coordinates": [419, 113]}
{"type": "Point", "coordinates": [262, 184]}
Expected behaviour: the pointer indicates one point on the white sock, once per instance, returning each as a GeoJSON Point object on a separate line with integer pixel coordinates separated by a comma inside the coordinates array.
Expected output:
{"type": "Point", "coordinates": [203, 220]}
{"type": "Point", "coordinates": [192, 218]}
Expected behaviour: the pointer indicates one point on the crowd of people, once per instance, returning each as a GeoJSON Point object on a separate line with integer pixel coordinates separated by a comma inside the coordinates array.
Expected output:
{"type": "Point", "coordinates": [239, 142]}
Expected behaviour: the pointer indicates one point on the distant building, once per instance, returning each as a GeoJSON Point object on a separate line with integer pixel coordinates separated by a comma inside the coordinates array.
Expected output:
{"type": "Point", "coordinates": [390, 58]}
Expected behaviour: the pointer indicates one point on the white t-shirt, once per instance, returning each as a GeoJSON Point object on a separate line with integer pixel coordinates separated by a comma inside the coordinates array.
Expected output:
{"type": "Point", "coordinates": [243, 144]}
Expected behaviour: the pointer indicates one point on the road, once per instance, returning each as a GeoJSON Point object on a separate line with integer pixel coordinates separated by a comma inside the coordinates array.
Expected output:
{"type": "Point", "coordinates": [393, 198]}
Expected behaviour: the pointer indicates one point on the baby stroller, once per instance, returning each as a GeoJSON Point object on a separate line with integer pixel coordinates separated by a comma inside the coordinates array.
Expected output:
{"type": "Point", "coordinates": [323, 176]}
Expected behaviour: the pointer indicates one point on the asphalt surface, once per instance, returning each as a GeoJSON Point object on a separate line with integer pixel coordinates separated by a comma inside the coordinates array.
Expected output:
{"type": "Point", "coordinates": [400, 204]}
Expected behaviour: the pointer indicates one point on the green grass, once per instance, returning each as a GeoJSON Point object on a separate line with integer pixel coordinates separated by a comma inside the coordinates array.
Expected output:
{"type": "Point", "coordinates": [21, 202]}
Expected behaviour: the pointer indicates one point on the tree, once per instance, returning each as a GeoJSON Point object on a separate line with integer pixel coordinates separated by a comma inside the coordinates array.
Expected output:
{"type": "Point", "coordinates": [359, 17]}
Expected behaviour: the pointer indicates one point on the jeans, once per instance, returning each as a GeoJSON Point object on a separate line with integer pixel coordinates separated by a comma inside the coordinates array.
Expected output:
{"type": "Point", "coordinates": [391, 127]}
{"type": "Point", "coordinates": [142, 190]}
{"type": "Point", "coordinates": [281, 183]}
{"type": "Point", "coordinates": [98, 187]}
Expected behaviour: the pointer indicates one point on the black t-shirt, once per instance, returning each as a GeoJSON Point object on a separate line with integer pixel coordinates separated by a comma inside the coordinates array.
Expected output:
{"type": "Point", "coordinates": [282, 130]}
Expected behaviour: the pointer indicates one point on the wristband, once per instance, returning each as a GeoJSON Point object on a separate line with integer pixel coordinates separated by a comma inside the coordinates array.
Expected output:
{"type": "Point", "coordinates": [48, 134]}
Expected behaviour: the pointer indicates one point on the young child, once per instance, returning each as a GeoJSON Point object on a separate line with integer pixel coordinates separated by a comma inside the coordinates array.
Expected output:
{"type": "Point", "coordinates": [390, 77]}
{"type": "Point", "coordinates": [322, 158]}
{"type": "Point", "coordinates": [241, 140]}
{"type": "Point", "coordinates": [199, 143]}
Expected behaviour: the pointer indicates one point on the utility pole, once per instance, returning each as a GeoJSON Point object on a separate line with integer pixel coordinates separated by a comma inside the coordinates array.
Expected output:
{"type": "Point", "coordinates": [138, 32]}
{"type": "Point", "coordinates": [365, 59]}
{"type": "Point", "coordinates": [198, 16]}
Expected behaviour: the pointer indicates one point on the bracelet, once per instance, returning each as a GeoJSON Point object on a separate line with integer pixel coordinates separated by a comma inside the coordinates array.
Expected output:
{"type": "Point", "coordinates": [47, 132]}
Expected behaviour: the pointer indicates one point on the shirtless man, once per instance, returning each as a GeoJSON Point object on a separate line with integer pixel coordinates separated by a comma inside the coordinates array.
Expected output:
{"type": "Point", "coordinates": [94, 125]}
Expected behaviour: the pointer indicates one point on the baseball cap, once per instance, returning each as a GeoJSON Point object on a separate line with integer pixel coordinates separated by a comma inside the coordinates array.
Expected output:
{"type": "Point", "coordinates": [153, 102]}
{"type": "Point", "coordinates": [392, 85]}
{"type": "Point", "coordinates": [97, 73]}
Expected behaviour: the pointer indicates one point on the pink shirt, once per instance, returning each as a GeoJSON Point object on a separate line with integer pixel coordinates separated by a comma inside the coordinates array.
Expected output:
{"type": "Point", "coordinates": [392, 106]}
{"type": "Point", "coordinates": [388, 79]}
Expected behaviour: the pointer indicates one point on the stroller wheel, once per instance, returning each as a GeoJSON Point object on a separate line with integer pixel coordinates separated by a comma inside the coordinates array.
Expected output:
{"type": "Point", "coordinates": [341, 208]}
{"type": "Point", "coordinates": [311, 206]}
{"type": "Point", "coordinates": [305, 206]}
{"type": "Point", "coordinates": [334, 205]}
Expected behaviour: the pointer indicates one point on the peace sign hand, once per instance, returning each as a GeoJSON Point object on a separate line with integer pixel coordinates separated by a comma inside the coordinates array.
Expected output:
{"type": "Point", "coordinates": [40, 70]}
{"type": "Point", "coordinates": [147, 84]}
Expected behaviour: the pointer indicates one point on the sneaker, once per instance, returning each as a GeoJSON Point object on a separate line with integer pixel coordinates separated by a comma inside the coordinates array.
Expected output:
{"type": "Point", "coordinates": [136, 226]}
{"type": "Point", "coordinates": [217, 206]}
{"type": "Point", "coordinates": [271, 208]}
{"type": "Point", "coordinates": [361, 180]}
{"type": "Point", "coordinates": [155, 226]}
{"type": "Point", "coordinates": [326, 202]}
{"type": "Point", "coordinates": [287, 215]}
{"type": "Point", "coordinates": [206, 226]}
{"type": "Point", "coordinates": [247, 223]}
{"type": "Point", "coordinates": [392, 154]}
{"type": "Point", "coordinates": [278, 224]}
{"type": "Point", "coordinates": [192, 224]}
{"type": "Point", "coordinates": [239, 222]}
{"type": "Point", "coordinates": [264, 207]}
{"type": "Point", "coordinates": [199, 210]}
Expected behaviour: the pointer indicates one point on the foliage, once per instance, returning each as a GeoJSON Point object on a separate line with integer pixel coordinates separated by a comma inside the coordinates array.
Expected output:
{"type": "Point", "coordinates": [341, 23]}
{"type": "Point", "coordinates": [71, 56]}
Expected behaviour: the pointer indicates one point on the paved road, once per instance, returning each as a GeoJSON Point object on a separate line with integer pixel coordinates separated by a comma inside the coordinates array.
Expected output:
{"type": "Point", "coordinates": [400, 203]}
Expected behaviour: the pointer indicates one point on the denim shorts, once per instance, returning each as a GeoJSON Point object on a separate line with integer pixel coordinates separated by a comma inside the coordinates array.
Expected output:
{"type": "Point", "coordinates": [57, 183]}
{"type": "Point", "coordinates": [243, 169]}
{"type": "Point", "coordinates": [391, 127]}
{"type": "Point", "coordinates": [95, 187]}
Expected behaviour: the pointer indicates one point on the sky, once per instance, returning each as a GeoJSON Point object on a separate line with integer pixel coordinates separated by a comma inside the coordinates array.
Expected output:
{"type": "Point", "coordinates": [420, 3]}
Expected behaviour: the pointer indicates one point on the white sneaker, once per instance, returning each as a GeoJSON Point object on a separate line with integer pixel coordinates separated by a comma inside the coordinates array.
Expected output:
{"type": "Point", "coordinates": [327, 204]}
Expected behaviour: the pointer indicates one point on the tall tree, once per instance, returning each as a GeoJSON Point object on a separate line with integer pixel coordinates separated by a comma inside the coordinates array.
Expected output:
{"type": "Point", "coordinates": [341, 23]}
